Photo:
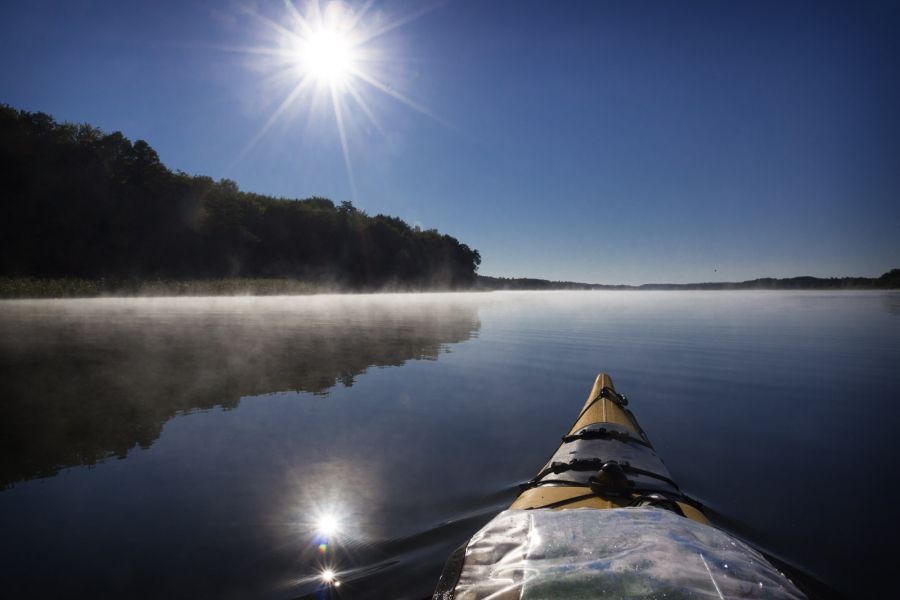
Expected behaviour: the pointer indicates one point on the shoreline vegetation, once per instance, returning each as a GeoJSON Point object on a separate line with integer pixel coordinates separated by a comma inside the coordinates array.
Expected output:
{"type": "Point", "coordinates": [70, 287]}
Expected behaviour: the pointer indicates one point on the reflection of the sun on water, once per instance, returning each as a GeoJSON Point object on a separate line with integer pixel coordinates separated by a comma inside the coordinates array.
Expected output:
{"type": "Point", "coordinates": [327, 527]}
{"type": "Point", "coordinates": [327, 516]}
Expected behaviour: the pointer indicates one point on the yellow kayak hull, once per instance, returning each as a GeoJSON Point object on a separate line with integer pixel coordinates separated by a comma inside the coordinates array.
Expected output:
{"type": "Point", "coordinates": [604, 411]}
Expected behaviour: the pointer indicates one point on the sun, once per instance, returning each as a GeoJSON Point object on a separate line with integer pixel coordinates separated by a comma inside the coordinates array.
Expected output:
{"type": "Point", "coordinates": [332, 55]}
{"type": "Point", "coordinates": [328, 55]}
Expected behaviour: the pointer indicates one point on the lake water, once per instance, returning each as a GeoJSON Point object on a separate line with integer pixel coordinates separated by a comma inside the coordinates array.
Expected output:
{"type": "Point", "coordinates": [190, 447]}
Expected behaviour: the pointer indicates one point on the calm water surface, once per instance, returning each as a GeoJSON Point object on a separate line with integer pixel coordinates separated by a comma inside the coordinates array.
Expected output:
{"type": "Point", "coordinates": [191, 447]}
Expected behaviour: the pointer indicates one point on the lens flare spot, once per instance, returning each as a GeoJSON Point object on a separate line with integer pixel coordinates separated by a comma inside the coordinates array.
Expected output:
{"type": "Point", "coordinates": [329, 577]}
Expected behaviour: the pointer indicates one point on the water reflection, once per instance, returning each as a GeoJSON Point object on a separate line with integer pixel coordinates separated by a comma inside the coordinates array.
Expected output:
{"type": "Point", "coordinates": [891, 302]}
{"type": "Point", "coordinates": [327, 525]}
{"type": "Point", "coordinates": [84, 380]}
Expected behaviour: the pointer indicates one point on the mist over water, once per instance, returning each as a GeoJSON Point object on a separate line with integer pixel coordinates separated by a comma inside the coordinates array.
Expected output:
{"type": "Point", "coordinates": [98, 377]}
{"type": "Point", "coordinates": [192, 447]}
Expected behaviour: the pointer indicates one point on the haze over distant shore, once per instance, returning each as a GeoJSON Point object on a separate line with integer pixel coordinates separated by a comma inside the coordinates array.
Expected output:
{"type": "Point", "coordinates": [889, 280]}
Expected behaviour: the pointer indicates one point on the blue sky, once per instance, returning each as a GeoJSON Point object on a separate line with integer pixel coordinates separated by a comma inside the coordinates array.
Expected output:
{"type": "Point", "coordinates": [614, 142]}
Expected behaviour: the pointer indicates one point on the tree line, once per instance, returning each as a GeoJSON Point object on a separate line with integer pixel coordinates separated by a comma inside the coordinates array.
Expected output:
{"type": "Point", "coordinates": [79, 202]}
{"type": "Point", "coordinates": [888, 280]}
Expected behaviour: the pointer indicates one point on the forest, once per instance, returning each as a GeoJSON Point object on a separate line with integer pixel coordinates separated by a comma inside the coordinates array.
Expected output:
{"type": "Point", "coordinates": [82, 203]}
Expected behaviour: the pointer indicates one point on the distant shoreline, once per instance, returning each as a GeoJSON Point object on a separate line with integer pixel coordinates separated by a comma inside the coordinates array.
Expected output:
{"type": "Point", "coordinates": [890, 280]}
{"type": "Point", "coordinates": [34, 287]}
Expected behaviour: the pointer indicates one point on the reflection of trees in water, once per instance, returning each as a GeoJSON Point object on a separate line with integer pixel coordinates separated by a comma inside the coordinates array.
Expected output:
{"type": "Point", "coordinates": [891, 301]}
{"type": "Point", "coordinates": [82, 381]}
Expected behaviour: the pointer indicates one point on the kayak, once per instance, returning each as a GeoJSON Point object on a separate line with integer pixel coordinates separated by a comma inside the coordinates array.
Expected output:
{"type": "Point", "coordinates": [604, 518]}
{"type": "Point", "coordinates": [606, 461]}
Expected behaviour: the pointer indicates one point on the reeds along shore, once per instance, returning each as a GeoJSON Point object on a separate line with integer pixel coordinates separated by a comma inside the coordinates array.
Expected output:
{"type": "Point", "coordinates": [26, 287]}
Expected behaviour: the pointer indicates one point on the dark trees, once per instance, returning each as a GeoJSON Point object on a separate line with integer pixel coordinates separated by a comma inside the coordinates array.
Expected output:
{"type": "Point", "coordinates": [80, 203]}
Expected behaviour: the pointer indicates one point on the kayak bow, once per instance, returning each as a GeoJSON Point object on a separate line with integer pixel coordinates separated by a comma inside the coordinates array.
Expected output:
{"type": "Point", "coordinates": [606, 461]}
{"type": "Point", "coordinates": [603, 518]}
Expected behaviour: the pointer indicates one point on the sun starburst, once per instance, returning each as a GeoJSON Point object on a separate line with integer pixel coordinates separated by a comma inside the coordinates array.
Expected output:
{"type": "Point", "coordinates": [327, 55]}
{"type": "Point", "coordinates": [330, 52]}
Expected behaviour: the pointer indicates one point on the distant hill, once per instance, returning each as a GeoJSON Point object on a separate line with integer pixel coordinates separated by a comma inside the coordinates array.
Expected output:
{"type": "Point", "coordinates": [890, 280]}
